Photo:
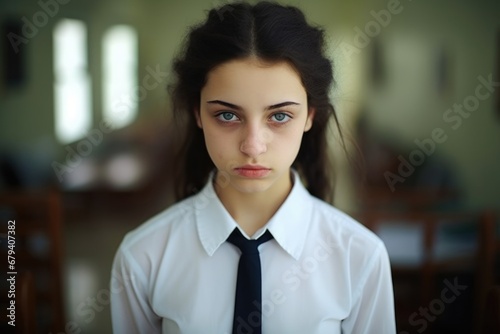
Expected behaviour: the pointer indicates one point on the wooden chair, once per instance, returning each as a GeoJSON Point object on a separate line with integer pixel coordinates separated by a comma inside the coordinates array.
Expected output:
{"type": "Point", "coordinates": [26, 303]}
{"type": "Point", "coordinates": [413, 199]}
{"type": "Point", "coordinates": [38, 249]}
{"type": "Point", "coordinates": [488, 275]}
{"type": "Point", "coordinates": [422, 252]}
{"type": "Point", "coordinates": [491, 319]}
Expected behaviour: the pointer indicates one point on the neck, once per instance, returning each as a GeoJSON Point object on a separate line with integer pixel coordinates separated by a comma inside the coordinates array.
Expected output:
{"type": "Point", "coordinates": [253, 210]}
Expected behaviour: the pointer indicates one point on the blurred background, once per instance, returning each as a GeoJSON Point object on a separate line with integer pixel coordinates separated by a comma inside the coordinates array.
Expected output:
{"type": "Point", "coordinates": [86, 146]}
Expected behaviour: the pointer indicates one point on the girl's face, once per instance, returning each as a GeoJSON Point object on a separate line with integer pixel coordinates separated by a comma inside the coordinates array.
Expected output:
{"type": "Point", "coordinates": [253, 115]}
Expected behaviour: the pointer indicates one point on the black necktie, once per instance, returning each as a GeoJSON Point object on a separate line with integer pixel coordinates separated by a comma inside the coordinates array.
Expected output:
{"type": "Point", "coordinates": [247, 308]}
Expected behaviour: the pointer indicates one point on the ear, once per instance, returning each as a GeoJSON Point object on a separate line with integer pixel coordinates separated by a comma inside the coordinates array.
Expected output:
{"type": "Point", "coordinates": [198, 118]}
{"type": "Point", "coordinates": [310, 118]}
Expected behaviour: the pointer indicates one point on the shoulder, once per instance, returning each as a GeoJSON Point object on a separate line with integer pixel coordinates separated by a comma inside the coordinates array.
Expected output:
{"type": "Point", "coordinates": [343, 230]}
{"type": "Point", "coordinates": [144, 246]}
{"type": "Point", "coordinates": [354, 248]}
{"type": "Point", "coordinates": [162, 224]}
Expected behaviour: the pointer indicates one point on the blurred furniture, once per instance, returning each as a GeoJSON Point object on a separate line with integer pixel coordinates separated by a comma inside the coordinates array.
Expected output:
{"type": "Point", "coordinates": [132, 167]}
{"type": "Point", "coordinates": [26, 301]}
{"type": "Point", "coordinates": [488, 275]}
{"type": "Point", "coordinates": [411, 199]}
{"type": "Point", "coordinates": [490, 248]}
{"type": "Point", "coordinates": [38, 249]}
{"type": "Point", "coordinates": [491, 318]}
{"type": "Point", "coordinates": [427, 250]}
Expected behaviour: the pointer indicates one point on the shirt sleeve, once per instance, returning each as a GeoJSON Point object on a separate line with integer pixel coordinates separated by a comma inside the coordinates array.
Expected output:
{"type": "Point", "coordinates": [131, 311]}
{"type": "Point", "coordinates": [373, 308]}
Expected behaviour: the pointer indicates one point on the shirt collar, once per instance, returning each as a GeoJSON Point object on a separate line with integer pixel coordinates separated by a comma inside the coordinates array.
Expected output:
{"type": "Point", "coordinates": [289, 225]}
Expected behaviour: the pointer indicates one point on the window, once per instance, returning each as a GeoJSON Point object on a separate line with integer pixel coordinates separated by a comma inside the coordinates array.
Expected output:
{"type": "Point", "coordinates": [72, 85]}
{"type": "Point", "coordinates": [120, 100]}
{"type": "Point", "coordinates": [73, 113]}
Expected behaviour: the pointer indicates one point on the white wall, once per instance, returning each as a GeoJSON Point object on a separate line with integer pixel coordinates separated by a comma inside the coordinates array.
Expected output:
{"type": "Point", "coordinates": [412, 108]}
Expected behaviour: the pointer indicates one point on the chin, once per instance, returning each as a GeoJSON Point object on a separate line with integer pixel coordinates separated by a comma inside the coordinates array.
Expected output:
{"type": "Point", "coordinates": [251, 186]}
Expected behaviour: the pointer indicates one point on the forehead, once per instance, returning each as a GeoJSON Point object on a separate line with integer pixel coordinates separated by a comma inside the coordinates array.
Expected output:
{"type": "Point", "coordinates": [251, 79]}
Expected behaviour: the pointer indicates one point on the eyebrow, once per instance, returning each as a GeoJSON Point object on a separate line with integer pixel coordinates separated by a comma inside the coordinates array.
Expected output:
{"type": "Point", "coordinates": [236, 107]}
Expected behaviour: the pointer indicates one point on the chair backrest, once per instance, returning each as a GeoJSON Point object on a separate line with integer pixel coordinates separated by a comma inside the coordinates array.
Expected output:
{"type": "Point", "coordinates": [487, 276]}
{"type": "Point", "coordinates": [491, 323]}
{"type": "Point", "coordinates": [429, 229]}
{"type": "Point", "coordinates": [424, 247]}
{"type": "Point", "coordinates": [419, 199]}
{"type": "Point", "coordinates": [36, 220]}
{"type": "Point", "coordinates": [26, 303]}
{"type": "Point", "coordinates": [490, 246]}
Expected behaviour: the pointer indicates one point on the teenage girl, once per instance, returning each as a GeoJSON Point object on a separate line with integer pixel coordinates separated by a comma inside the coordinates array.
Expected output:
{"type": "Point", "coordinates": [252, 85]}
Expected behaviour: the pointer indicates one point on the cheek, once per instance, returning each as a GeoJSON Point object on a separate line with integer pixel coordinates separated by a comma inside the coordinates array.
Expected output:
{"type": "Point", "coordinates": [294, 143]}
{"type": "Point", "coordinates": [293, 135]}
{"type": "Point", "coordinates": [217, 144]}
{"type": "Point", "coordinates": [287, 144]}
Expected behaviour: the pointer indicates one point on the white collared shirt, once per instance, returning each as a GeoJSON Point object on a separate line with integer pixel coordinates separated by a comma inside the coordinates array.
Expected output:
{"type": "Point", "coordinates": [322, 273]}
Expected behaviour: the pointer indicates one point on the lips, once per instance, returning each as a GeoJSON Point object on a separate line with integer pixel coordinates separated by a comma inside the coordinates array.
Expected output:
{"type": "Point", "coordinates": [252, 171]}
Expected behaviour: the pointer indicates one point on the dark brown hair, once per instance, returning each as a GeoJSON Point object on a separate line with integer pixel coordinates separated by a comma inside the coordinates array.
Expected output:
{"type": "Point", "coordinates": [271, 32]}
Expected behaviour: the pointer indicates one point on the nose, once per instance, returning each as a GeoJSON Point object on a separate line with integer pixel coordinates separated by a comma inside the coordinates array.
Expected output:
{"type": "Point", "coordinates": [255, 140]}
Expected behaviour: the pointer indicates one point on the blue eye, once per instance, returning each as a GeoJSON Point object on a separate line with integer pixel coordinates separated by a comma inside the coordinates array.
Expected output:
{"type": "Point", "coordinates": [226, 116]}
{"type": "Point", "coordinates": [281, 117]}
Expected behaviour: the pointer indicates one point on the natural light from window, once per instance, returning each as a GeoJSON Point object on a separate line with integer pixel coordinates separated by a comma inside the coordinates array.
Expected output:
{"type": "Point", "coordinates": [72, 90]}
{"type": "Point", "coordinates": [120, 94]}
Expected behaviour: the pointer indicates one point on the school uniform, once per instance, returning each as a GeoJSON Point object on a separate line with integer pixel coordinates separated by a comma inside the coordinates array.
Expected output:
{"type": "Point", "coordinates": [322, 272]}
